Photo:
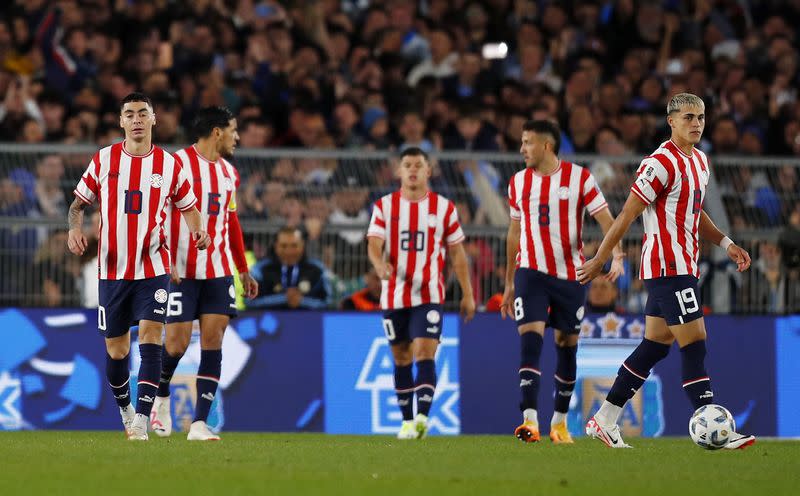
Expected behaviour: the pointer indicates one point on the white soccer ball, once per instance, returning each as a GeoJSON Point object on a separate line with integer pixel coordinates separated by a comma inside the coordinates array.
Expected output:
{"type": "Point", "coordinates": [711, 427]}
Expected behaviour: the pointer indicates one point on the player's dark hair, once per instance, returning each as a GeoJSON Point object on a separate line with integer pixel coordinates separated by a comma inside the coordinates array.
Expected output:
{"type": "Point", "coordinates": [547, 128]}
{"type": "Point", "coordinates": [136, 97]}
{"type": "Point", "coordinates": [208, 118]}
{"type": "Point", "coordinates": [413, 151]}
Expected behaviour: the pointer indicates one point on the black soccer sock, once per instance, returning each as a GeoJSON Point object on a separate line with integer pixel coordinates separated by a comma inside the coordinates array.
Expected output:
{"type": "Point", "coordinates": [118, 375]}
{"type": "Point", "coordinates": [168, 365]}
{"type": "Point", "coordinates": [147, 385]}
{"type": "Point", "coordinates": [404, 388]}
{"type": "Point", "coordinates": [634, 371]}
{"type": "Point", "coordinates": [696, 382]}
{"type": "Point", "coordinates": [529, 372]}
{"type": "Point", "coordinates": [425, 385]}
{"type": "Point", "coordinates": [566, 369]}
{"type": "Point", "coordinates": [207, 380]}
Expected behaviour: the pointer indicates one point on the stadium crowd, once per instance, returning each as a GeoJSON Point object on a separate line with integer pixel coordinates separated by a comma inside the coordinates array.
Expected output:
{"type": "Point", "coordinates": [438, 74]}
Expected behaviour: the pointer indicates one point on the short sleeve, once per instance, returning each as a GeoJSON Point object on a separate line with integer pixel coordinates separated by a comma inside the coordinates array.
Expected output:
{"type": "Point", "coordinates": [88, 188]}
{"type": "Point", "coordinates": [182, 195]}
{"type": "Point", "coordinates": [592, 196]}
{"type": "Point", "coordinates": [453, 234]}
{"type": "Point", "coordinates": [377, 225]}
{"type": "Point", "coordinates": [652, 179]}
{"type": "Point", "coordinates": [512, 201]}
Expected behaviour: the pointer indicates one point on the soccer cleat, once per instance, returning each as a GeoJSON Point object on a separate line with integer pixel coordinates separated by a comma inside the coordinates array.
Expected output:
{"type": "Point", "coordinates": [421, 425]}
{"type": "Point", "coordinates": [740, 441]}
{"type": "Point", "coordinates": [138, 430]}
{"type": "Point", "coordinates": [199, 431]}
{"type": "Point", "coordinates": [161, 417]}
{"type": "Point", "coordinates": [127, 414]}
{"type": "Point", "coordinates": [609, 434]}
{"type": "Point", "coordinates": [559, 434]}
{"type": "Point", "coordinates": [408, 430]}
{"type": "Point", "coordinates": [528, 432]}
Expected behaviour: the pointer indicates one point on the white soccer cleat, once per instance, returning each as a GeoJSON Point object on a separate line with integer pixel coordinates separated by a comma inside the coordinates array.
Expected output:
{"type": "Point", "coordinates": [609, 434]}
{"type": "Point", "coordinates": [408, 430]}
{"type": "Point", "coordinates": [161, 417]}
{"type": "Point", "coordinates": [199, 431]}
{"type": "Point", "coordinates": [127, 414]}
{"type": "Point", "coordinates": [138, 430]}
{"type": "Point", "coordinates": [740, 441]}
{"type": "Point", "coordinates": [421, 425]}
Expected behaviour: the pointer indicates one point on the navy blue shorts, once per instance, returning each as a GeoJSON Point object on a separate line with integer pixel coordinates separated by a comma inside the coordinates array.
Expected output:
{"type": "Point", "coordinates": [124, 303]}
{"type": "Point", "coordinates": [674, 299]}
{"type": "Point", "coordinates": [195, 297]}
{"type": "Point", "coordinates": [540, 297]}
{"type": "Point", "coordinates": [408, 324]}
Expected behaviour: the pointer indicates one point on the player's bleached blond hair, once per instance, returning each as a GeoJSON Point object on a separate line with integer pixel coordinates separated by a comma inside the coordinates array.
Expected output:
{"type": "Point", "coordinates": [681, 99]}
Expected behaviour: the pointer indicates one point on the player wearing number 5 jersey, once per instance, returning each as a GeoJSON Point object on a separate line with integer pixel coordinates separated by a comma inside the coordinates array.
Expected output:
{"type": "Point", "coordinates": [548, 200]}
{"type": "Point", "coordinates": [202, 286]}
{"type": "Point", "coordinates": [410, 233]}
{"type": "Point", "coordinates": [133, 182]}
{"type": "Point", "coordinates": [668, 191]}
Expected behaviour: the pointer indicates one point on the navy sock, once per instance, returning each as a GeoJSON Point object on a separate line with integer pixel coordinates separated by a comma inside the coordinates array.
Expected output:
{"type": "Point", "coordinates": [118, 375]}
{"type": "Point", "coordinates": [404, 388]}
{"type": "Point", "coordinates": [425, 386]}
{"type": "Point", "coordinates": [696, 382]}
{"type": "Point", "coordinates": [566, 369]}
{"type": "Point", "coordinates": [168, 365]}
{"type": "Point", "coordinates": [634, 371]}
{"type": "Point", "coordinates": [147, 386]}
{"type": "Point", "coordinates": [207, 379]}
{"type": "Point", "coordinates": [529, 372]}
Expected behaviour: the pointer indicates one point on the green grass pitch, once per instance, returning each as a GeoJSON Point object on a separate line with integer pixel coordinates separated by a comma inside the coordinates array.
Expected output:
{"type": "Point", "coordinates": [105, 463]}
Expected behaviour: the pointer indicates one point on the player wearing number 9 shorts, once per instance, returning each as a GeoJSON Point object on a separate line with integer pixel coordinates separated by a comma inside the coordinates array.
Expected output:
{"type": "Point", "coordinates": [548, 200]}
{"type": "Point", "coordinates": [668, 192]}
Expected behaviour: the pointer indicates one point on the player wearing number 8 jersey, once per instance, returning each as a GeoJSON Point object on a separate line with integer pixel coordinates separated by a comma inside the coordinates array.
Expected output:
{"type": "Point", "coordinates": [548, 200]}
{"type": "Point", "coordinates": [414, 228]}
{"type": "Point", "coordinates": [669, 190]}
{"type": "Point", "coordinates": [133, 182]}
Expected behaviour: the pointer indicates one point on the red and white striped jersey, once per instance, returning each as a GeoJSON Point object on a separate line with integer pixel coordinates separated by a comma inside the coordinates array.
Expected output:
{"type": "Point", "coordinates": [550, 210]}
{"type": "Point", "coordinates": [214, 185]}
{"type": "Point", "coordinates": [133, 192]}
{"type": "Point", "coordinates": [673, 186]}
{"type": "Point", "coordinates": [417, 234]}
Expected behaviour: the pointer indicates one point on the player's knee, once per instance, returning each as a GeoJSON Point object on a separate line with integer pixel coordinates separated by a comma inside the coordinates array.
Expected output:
{"type": "Point", "coordinates": [211, 340]}
{"type": "Point", "coordinates": [176, 345]}
{"type": "Point", "coordinates": [118, 351]}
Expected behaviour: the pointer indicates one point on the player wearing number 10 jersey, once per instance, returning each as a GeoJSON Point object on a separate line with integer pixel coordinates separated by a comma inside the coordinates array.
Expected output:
{"type": "Point", "coordinates": [669, 190]}
{"type": "Point", "coordinates": [202, 286]}
{"type": "Point", "coordinates": [133, 182]}
{"type": "Point", "coordinates": [414, 228]}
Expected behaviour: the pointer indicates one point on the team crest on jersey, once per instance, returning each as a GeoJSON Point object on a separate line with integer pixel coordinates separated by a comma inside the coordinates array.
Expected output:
{"type": "Point", "coordinates": [228, 183]}
{"type": "Point", "coordinates": [563, 193]}
{"type": "Point", "coordinates": [433, 317]}
{"type": "Point", "coordinates": [156, 180]}
{"type": "Point", "coordinates": [161, 296]}
{"type": "Point", "coordinates": [304, 286]}
{"type": "Point", "coordinates": [431, 220]}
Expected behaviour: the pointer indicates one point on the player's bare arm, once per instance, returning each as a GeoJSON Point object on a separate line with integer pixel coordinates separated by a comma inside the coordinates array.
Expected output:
{"type": "Point", "coordinates": [76, 241]}
{"type": "Point", "coordinates": [512, 248]}
{"type": "Point", "coordinates": [606, 220]}
{"type": "Point", "coordinates": [195, 223]}
{"type": "Point", "coordinates": [461, 268]}
{"type": "Point", "coordinates": [632, 209]}
{"type": "Point", "coordinates": [708, 230]}
{"type": "Point", "coordinates": [375, 252]}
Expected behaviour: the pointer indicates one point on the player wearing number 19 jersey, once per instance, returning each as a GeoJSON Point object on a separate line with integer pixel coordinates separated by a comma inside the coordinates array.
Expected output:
{"type": "Point", "coordinates": [548, 201]}
{"type": "Point", "coordinates": [669, 190]}
{"type": "Point", "coordinates": [410, 233]}
{"type": "Point", "coordinates": [202, 286]}
{"type": "Point", "coordinates": [133, 182]}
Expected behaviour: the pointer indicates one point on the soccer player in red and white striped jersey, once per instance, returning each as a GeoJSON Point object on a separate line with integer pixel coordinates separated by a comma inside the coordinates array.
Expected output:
{"type": "Point", "coordinates": [202, 280]}
{"type": "Point", "coordinates": [548, 200]}
{"type": "Point", "coordinates": [410, 233]}
{"type": "Point", "coordinates": [669, 190]}
{"type": "Point", "coordinates": [133, 182]}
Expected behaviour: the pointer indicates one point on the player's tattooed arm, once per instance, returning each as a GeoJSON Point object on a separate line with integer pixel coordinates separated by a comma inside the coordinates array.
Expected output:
{"type": "Point", "coordinates": [76, 241]}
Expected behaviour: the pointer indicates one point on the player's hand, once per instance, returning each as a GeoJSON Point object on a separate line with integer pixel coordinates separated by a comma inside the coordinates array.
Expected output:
{"type": "Point", "coordinates": [384, 270]}
{"type": "Point", "coordinates": [173, 276]}
{"type": "Point", "coordinates": [201, 239]}
{"type": "Point", "coordinates": [76, 241]}
{"type": "Point", "coordinates": [508, 303]}
{"type": "Point", "coordinates": [293, 297]}
{"type": "Point", "coordinates": [467, 308]}
{"type": "Point", "coordinates": [250, 285]}
{"type": "Point", "coordinates": [589, 270]}
{"type": "Point", "coordinates": [738, 255]}
{"type": "Point", "coordinates": [616, 271]}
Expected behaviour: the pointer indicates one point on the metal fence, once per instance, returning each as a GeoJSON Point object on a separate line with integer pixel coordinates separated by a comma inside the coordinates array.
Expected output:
{"type": "Point", "coordinates": [328, 192]}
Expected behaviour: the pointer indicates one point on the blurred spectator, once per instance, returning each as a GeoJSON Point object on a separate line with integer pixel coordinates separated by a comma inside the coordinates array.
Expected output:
{"type": "Point", "coordinates": [602, 297]}
{"type": "Point", "coordinates": [367, 299]}
{"type": "Point", "coordinates": [764, 286]}
{"type": "Point", "coordinates": [50, 196]}
{"type": "Point", "coordinates": [442, 61]}
{"type": "Point", "coordinates": [289, 280]}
